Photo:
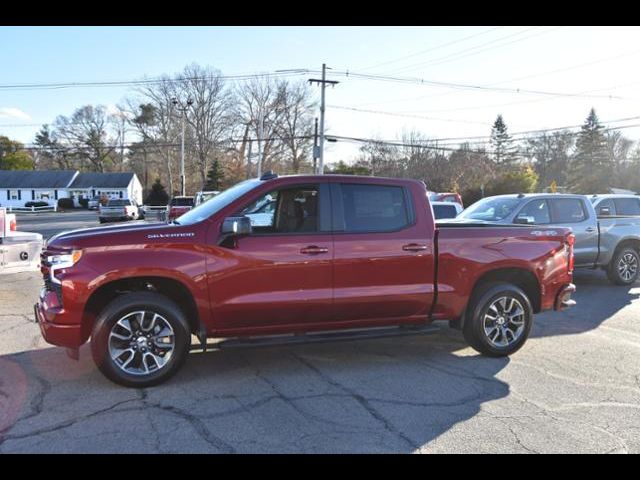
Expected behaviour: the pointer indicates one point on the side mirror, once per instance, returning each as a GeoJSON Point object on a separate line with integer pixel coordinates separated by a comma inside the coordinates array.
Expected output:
{"type": "Point", "coordinates": [524, 220]}
{"type": "Point", "coordinates": [232, 229]}
{"type": "Point", "coordinates": [604, 211]}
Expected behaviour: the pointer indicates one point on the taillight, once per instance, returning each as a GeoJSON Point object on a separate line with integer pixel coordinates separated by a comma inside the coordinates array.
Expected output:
{"type": "Point", "coordinates": [571, 240]}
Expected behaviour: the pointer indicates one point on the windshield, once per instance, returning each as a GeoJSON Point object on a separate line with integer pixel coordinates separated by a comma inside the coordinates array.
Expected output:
{"type": "Point", "coordinates": [217, 203]}
{"type": "Point", "coordinates": [182, 202]}
{"type": "Point", "coordinates": [491, 209]}
{"type": "Point", "coordinates": [118, 203]}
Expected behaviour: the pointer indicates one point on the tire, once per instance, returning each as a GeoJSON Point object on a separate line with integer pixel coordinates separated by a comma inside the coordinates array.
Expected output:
{"type": "Point", "coordinates": [101, 220]}
{"type": "Point", "coordinates": [488, 337]}
{"type": "Point", "coordinates": [137, 365]}
{"type": "Point", "coordinates": [624, 266]}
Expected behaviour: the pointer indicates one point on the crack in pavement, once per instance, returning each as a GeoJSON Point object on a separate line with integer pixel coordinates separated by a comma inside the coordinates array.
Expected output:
{"type": "Point", "coordinates": [577, 381]}
{"type": "Point", "coordinates": [364, 403]}
{"type": "Point", "coordinates": [517, 438]}
{"type": "Point", "coordinates": [68, 423]}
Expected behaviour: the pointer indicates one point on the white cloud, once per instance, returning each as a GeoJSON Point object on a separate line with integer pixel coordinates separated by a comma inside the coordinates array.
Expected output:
{"type": "Point", "coordinates": [14, 113]}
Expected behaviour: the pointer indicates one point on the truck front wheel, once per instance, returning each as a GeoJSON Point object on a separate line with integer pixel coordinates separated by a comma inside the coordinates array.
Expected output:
{"type": "Point", "coordinates": [498, 320]}
{"type": "Point", "coordinates": [140, 339]}
{"type": "Point", "coordinates": [623, 269]}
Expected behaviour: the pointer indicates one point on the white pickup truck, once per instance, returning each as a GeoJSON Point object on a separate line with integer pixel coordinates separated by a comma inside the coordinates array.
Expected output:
{"type": "Point", "coordinates": [118, 209]}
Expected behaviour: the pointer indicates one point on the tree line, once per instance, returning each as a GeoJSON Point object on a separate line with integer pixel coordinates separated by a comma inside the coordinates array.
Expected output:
{"type": "Point", "coordinates": [592, 160]}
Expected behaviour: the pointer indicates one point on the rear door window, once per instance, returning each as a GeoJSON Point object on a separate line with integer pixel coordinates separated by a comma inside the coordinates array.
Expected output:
{"type": "Point", "coordinates": [567, 210]}
{"type": "Point", "coordinates": [601, 209]}
{"type": "Point", "coordinates": [627, 206]}
{"type": "Point", "coordinates": [374, 208]}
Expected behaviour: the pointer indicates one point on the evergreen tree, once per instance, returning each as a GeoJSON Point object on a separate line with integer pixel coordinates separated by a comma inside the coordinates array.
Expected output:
{"type": "Point", "coordinates": [214, 176]}
{"type": "Point", "coordinates": [592, 167]}
{"type": "Point", "coordinates": [502, 148]}
{"type": "Point", "coordinates": [158, 196]}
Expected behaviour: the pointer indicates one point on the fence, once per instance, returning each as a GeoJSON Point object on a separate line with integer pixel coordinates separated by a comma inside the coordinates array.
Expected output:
{"type": "Point", "coordinates": [48, 208]}
{"type": "Point", "coordinates": [155, 213]}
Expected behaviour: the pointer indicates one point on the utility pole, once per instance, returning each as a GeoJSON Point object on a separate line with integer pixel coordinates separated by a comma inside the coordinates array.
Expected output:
{"type": "Point", "coordinates": [316, 148]}
{"type": "Point", "coordinates": [122, 142]}
{"type": "Point", "coordinates": [323, 84]}
{"type": "Point", "coordinates": [183, 110]}
{"type": "Point", "coordinates": [260, 129]}
{"type": "Point", "coordinates": [249, 159]}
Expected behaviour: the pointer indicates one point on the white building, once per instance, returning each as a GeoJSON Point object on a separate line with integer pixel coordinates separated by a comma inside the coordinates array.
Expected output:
{"type": "Point", "coordinates": [17, 187]}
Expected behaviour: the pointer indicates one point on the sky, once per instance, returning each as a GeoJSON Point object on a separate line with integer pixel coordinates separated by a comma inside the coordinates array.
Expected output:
{"type": "Point", "coordinates": [537, 77]}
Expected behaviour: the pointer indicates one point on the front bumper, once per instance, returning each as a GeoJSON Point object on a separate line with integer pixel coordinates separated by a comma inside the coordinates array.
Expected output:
{"type": "Point", "coordinates": [563, 298]}
{"type": "Point", "coordinates": [49, 316]}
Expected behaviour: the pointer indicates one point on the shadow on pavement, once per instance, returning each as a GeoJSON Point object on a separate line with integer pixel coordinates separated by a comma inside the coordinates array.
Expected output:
{"type": "Point", "coordinates": [597, 300]}
{"type": "Point", "coordinates": [383, 395]}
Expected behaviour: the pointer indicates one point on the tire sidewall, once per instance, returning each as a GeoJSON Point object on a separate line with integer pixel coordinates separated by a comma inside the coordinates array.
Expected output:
{"type": "Point", "coordinates": [614, 275]}
{"type": "Point", "coordinates": [124, 305]}
{"type": "Point", "coordinates": [474, 325]}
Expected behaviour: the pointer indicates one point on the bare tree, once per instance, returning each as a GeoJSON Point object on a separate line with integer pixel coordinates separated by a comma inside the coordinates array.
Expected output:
{"type": "Point", "coordinates": [295, 128]}
{"type": "Point", "coordinates": [260, 104]}
{"type": "Point", "coordinates": [208, 116]}
{"type": "Point", "coordinates": [164, 131]}
{"type": "Point", "coordinates": [86, 132]}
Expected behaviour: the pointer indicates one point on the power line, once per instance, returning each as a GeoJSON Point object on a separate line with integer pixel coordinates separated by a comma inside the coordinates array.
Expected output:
{"type": "Point", "coordinates": [405, 115]}
{"type": "Point", "coordinates": [475, 50]}
{"type": "Point", "coordinates": [529, 132]}
{"type": "Point", "coordinates": [422, 52]}
{"type": "Point", "coordinates": [150, 81]}
{"type": "Point", "coordinates": [526, 77]}
{"type": "Point", "coordinates": [463, 86]}
{"type": "Point", "coordinates": [151, 145]}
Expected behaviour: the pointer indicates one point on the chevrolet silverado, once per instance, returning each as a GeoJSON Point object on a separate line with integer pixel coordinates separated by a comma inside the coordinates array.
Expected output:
{"type": "Point", "coordinates": [341, 253]}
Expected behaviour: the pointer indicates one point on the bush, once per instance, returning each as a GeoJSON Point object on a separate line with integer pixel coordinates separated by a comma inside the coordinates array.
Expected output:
{"type": "Point", "coordinates": [523, 180]}
{"type": "Point", "coordinates": [84, 202]}
{"type": "Point", "coordinates": [158, 196]}
{"type": "Point", "coordinates": [39, 203]}
{"type": "Point", "coordinates": [65, 203]}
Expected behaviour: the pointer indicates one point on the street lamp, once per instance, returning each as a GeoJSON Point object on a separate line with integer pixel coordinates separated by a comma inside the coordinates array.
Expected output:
{"type": "Point", "coordinates": [183, 109]}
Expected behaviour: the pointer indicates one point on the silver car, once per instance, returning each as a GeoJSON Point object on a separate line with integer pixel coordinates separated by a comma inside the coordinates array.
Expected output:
{"type": "Point", "coordinates": [608, 242]}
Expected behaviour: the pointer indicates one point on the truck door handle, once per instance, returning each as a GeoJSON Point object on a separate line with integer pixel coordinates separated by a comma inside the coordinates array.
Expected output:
{"type": "Point", "coordinates": [590, 229]}
{"type": "Point", "coordinates": [414, 247]}
{"type": "Point", "coordinates": [313, 250]}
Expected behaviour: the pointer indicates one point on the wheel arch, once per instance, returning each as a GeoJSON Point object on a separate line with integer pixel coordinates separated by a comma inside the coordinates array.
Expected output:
{"type": "Point", "coordinates": [522, 278]}
{"type": "Point", "coordinates": [172, 288]}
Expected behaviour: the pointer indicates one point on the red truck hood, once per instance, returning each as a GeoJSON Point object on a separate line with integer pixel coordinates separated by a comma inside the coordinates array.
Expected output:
{"type": "Point", "coordinates": [137, 232]}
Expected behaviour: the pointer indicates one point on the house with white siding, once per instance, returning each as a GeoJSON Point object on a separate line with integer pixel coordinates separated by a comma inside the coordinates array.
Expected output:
{"type": "Point", "coordinates": [17, 187]}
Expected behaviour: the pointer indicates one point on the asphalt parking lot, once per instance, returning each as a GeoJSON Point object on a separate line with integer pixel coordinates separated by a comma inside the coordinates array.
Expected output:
{"type": "Point", "coordinates": [50, 223]}
{"type": "Point", "coordinates": [574, 387]}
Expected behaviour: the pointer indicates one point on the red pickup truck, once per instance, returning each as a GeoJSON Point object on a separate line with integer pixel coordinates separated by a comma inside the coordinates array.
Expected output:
{"type": "Point", "coordinates": [341, 252]}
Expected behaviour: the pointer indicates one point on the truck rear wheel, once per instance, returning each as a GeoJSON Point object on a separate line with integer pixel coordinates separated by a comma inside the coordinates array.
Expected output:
{"type": "Point", "coordinates": [499, 319]}
{"type": "Point", "coordinates": [140, 339]}
{"type": "Point", "coordinates": [623, 269]}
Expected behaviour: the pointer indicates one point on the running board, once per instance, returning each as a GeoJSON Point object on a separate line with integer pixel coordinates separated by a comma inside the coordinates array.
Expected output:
{"type": "Point", "coordinates": [322, 337]}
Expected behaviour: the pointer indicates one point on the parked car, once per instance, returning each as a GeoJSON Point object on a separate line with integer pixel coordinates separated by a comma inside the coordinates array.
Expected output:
{"type": "Point", "coordinates": [178, 206]}
{"type": "Point", "coordinates": [609, 243]}
{"type": "Point", "coordinates": [341, 253]}
{"type": "Point", "coordinates": [260, 213]}
{"type": "Point", "coordinates": [611, 205]}
{"type": "Point", "coordinates": [93, 203]}
{"type": "Point", "coordinates": [446, 209]}
{"type": "Point", "coordinates": [202, 197]}
{"type": "Point", "coordinates": [118, 209]}
{"type": "Point", "coordinates": [449, 197]}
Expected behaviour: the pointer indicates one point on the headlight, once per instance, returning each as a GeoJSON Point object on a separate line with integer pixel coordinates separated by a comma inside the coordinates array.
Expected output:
{"type": "Point", "coordinates": [59, 262]}
{"type": "Point", "coordinates": [65, 260]}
